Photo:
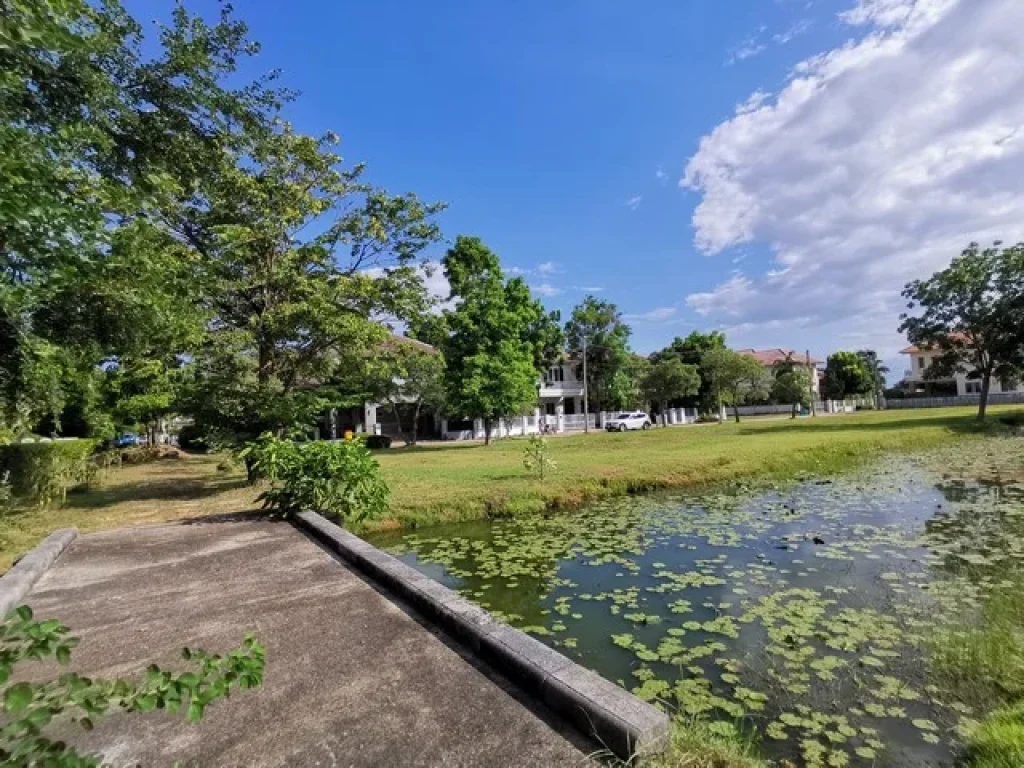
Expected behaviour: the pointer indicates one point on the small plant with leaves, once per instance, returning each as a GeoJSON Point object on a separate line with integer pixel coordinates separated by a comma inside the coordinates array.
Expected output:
{"type": "Point", "coordinates": [537, 457]}
{"type": "Point", "coordinates": [336, 479]}
{"type": "Point", "coordinates": [28, 708]}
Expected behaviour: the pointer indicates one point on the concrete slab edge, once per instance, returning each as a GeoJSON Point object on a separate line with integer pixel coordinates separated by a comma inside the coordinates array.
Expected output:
{"type": "Point", "coordinates": [23, 575]}
{"type": "Point", "coordinates": [602, 710]}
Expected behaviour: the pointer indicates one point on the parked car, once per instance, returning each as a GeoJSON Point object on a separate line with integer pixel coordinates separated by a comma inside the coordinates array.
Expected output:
{"type": "Point", "coordinates": [127, 440]}
{"type": "Point", "coordinates": [631, 420]}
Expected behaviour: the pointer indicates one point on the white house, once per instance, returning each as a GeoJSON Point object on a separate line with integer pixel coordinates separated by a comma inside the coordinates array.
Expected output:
{"type": "Point", "coordinates": [769, 358]}
{"type": "Point", "coordinates": [560, 391]}
{"type": "Point", "coordinates": [921, 359]}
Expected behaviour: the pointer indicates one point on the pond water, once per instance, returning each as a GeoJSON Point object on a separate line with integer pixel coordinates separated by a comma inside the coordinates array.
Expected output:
{"type": "Point", "coordinates": [807, 613]}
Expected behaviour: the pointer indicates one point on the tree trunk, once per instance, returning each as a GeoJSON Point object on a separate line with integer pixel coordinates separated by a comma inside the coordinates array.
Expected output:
{"type": "Point", "coordinates": [265, 361]}
{"type": "Point", "coordinates": [736, 411]}
{"type": "Point", "coordinates": [487, 431]}
{"type": "Point", "coordinates": [398, 423]}
{"type": "Point", "coordinates": [794, 411]}
{"type": "Point", "coordinates": [416, 422]}
{"type": "Point", "coordinates": [986, 383]}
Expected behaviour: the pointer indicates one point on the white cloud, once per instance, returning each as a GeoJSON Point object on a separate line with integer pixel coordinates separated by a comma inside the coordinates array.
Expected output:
{"type": "Point", "coordinates": [798, 28]}
{"type": "Point", "coordinates": [656, 315]}
{"type": "Point", "coordinates": [660, 174]}
{"type": "Point", "coordinates": [548, 268]}
{"type": "Point", "coordinates": [746, 50]}
{"type": "Point", "coordinates": [588, 288]}
{"type": "Point", "coordinates": [634, 202]}
{"type": "Point", "coordinates": [545, 289]}
{"type": "Point", "coordinates": [878, 162]}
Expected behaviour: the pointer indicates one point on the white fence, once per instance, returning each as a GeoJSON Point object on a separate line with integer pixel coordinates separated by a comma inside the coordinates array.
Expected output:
{"type": "Point", "coordinates": [948, 402]}
{"type": "Point", "coordinates": [577, 422]}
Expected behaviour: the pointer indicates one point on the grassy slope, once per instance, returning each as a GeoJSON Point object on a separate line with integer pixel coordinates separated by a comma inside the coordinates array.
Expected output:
{"type": "Point", "coordinates": [462, 481]}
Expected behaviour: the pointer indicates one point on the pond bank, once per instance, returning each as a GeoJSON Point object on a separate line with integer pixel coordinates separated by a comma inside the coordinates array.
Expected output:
{"type": "Point", "coordinates": [456, 483]}
{"type": "Point", "coordinates": [810, 616]}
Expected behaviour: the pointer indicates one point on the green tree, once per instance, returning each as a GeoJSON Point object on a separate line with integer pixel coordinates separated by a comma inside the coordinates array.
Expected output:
{"type": "Point", "coordinates": [877, 369]}
{"type": "Point", "coordinates": [690, 351]}
{"type": "Point", "coordinates": [625, 390]}
{"type": "Point", "coordinates": [793, 386]}
{"type": "Point", "coordinates": [290, 310]}
{"type": "Point", "coordinates": [970, 312]}
{"type": "Point", "coordinates": [846, 375]}
{"type": "Point", "coordinates": [406, 376]}
{"type": "Point", "coordinates": [491, 346]}
{"type": "Point", "coordinates": [670, 380]}
{"type": "Point", "coordinates": [600, 325]}
{"type": "Point", "coordinates": [98, 138]}
{"type": "Point", "coordinates": [735, 378]}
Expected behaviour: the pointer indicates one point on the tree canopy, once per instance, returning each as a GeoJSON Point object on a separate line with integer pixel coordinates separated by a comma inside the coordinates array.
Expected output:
{"type": "Point", "coordinates": [607, 340]}
{"type": "Point", "coordinates": [735, 378]}
{"type": "Point", "coordinates": [847, 375]}
{"type": "Point", "coordinates": [691, 351]}
{"type": "Point", "coordinates": [971, 314]}
{"type": "Point", "coordinates": [670, 380]}
{"type": "Point", "coordinates": [494, 338]}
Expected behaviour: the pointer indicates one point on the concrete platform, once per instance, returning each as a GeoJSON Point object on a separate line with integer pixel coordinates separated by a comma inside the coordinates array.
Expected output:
{"type": "Point", "coordinates": [351, 678]}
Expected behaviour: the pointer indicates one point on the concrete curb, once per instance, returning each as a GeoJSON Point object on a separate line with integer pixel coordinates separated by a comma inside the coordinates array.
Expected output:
{"type": "Point", "coordinates": [19, 580]}
{"type": "Point", "coordinates": [617, 719]}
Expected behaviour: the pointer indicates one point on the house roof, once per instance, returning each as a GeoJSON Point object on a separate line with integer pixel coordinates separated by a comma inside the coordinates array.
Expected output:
{"type": "Point", "coordinates": [769, 357]}
{"type": "Point", "coordinates": [913, 349]}
{"type": "Point", "coordinates": [397, 340]}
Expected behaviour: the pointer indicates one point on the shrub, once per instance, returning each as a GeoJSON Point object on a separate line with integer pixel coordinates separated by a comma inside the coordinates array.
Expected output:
{"type": "Point", "coordinates": [29, 707]}
{"type": "Point", "coordinates": [377, 442]}
{"type": "Point", "coordinates": [335, 479]}
{"type": "Point", "coordinates": [537, 456]}
{"type": "Point", "coordinates": [43, 472]}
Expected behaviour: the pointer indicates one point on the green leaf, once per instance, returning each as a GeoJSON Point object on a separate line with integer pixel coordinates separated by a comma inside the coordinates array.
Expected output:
{"type": "Point", "coordinates": [24, 612]}
{"type": "Point", "coordinates": [195, 711]}
{"type": "Point", "coordinates": [17, 697]}
{"type": "Point", "coordinates": [146, 703]}
{"type": "Point", "coordinates": [63, 655]}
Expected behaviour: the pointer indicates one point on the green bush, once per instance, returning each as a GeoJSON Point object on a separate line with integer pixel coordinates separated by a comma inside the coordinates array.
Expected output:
{"type": "Point", "coordinates": [44, 472]}
{"type": "Point", "coordinates": [29, 707]}
{"type": "Point", "coordinates": [335, 479]}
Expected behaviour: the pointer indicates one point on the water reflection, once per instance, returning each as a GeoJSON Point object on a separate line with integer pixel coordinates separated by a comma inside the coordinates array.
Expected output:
{"type": "Point", "coordinates": [806, 612]}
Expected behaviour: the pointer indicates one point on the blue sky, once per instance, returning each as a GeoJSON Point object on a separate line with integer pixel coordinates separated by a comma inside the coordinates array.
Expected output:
{"type": "Point", "coordinates": [568, 135]}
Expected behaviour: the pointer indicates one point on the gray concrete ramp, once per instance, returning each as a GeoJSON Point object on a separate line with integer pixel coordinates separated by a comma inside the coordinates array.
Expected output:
{"type": "Point", "coordinates": [351, 678]}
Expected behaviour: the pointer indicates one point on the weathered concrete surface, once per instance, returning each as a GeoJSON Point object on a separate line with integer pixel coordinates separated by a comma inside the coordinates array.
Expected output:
{"type": "Point", "coordinates": [20, 579]}
{"type": "Point", "coordinates": [599, 708]}
{"type": "Point", "coordinates": [351, 679]}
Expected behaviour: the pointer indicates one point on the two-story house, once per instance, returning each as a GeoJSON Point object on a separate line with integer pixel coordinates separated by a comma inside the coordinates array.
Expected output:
{"type": "Point", "coordinates": [917, 380]}
{"type": "Point", "coordinates": [560, 390]}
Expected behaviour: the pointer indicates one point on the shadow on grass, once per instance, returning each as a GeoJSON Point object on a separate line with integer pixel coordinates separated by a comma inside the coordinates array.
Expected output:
{"type": "Point", "coordinates": [178, 489]}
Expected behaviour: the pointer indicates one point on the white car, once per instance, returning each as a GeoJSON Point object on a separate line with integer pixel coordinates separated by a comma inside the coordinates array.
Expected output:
{"type": "Point", "coordinates": [620, 422]}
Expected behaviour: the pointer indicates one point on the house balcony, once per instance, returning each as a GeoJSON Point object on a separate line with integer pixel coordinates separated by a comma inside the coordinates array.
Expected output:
{"type": "Point", "coordinates": [552, 390]}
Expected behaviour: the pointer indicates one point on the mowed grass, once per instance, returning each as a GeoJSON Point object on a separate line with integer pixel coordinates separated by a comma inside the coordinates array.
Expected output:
{"type": "Point", "coordinates": [446, 483]}
{"type": "Point", "coordinates": [461, 481]}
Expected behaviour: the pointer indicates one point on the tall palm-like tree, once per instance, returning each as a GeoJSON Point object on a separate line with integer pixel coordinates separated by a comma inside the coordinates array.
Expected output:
{"type": "Point", "coordinates": [877, 369]}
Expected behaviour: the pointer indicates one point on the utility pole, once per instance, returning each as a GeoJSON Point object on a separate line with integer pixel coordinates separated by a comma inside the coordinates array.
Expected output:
{"type": "Point", "coordinates": [814, 374]}
{"type": "Point", "coordinates": [586, 393]}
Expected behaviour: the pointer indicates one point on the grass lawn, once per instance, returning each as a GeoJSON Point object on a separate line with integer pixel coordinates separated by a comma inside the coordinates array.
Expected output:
{"type": "Point", "coordinates": [460, 481]}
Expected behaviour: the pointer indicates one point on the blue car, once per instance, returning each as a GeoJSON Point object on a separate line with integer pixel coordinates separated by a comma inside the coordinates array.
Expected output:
{"type": "Point", "coordinates": [127, 440]}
